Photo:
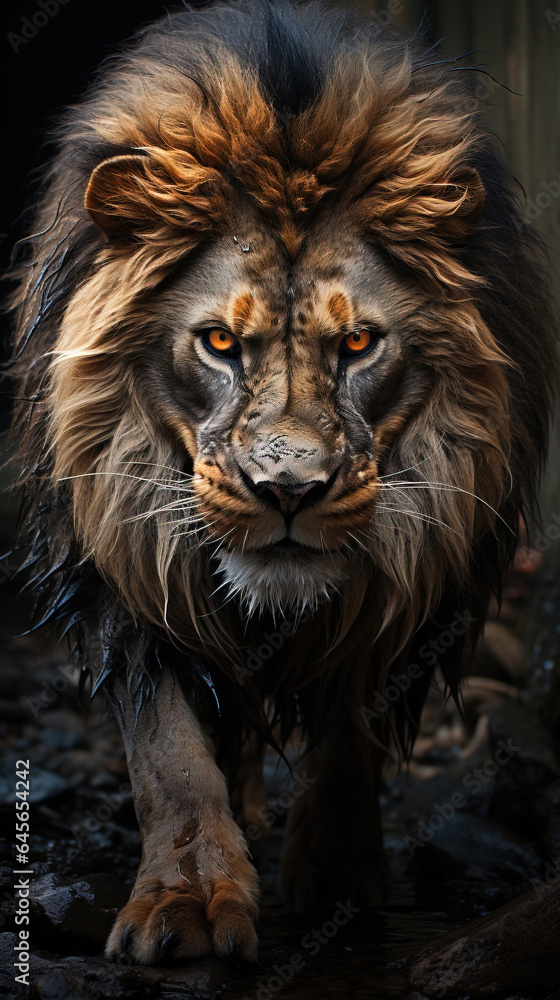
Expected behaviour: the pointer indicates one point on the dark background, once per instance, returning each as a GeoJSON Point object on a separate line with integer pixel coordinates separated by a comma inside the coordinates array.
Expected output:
{"type": "Point", "coordinates": [41, 75]}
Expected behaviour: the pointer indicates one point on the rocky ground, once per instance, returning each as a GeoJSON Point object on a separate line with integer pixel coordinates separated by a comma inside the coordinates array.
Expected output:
{"type": "Point", "coordinates": [473, 826]}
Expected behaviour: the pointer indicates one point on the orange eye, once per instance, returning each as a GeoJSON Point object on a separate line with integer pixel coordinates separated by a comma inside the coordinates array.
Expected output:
{"type": "Point", "coordinates": [356, 343]}
{"type": "Point", "coordinates": [221, 342]}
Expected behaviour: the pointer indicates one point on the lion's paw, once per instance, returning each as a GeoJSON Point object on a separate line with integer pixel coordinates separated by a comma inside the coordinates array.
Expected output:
{"type": "Point", "coordinates": [170, 923]}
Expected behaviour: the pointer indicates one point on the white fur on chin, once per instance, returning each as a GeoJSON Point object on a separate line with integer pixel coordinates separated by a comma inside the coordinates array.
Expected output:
{"type": "Point", "coordinates": [282, 580]}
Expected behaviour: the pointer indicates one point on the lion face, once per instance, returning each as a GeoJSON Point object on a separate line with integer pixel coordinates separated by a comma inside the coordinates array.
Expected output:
{"type": "Point", "coordinates": [285, 383]}
{"type": "Point", "coordinates": [274, 379]}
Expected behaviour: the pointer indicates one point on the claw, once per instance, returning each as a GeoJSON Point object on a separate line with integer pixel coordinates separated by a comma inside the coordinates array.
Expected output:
{"type": "Point", "coordinates": [235, 952]}
{"type": "Point", "coordinates": [125, 937]}
{"type": "Point", "coordinates": [166, 945]}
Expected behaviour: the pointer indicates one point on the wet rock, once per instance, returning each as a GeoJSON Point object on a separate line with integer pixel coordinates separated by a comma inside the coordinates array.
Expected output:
{"type": "Point", "coordinates": [91, 978]}
{"type": "Point", "coordinates": [77, 980]}
{"type": "Point", "coordinates": [513, 950]}
{"type": "Point", "coordinates": [546, 816]}
{"type": "Point", "coordinates": [533, 767]}
{"type": "Point", "coordinates": [13, 713]}
{"type": "Point", "coordinates": [44, 785]}
{"type": "Point", "coordinates": [103, 779]}
{"type": "Point", "coordinates": [66, 738]}
{"type": "Point", "coordinates": [79, 910]}
{"type": "Point", "coordinates": [114, 851]}
{"type": "Point", "coordinates": [80, 766]}
{"type": "Point", "coordinates": [58, 985]}
{"type": "Point", "coordinates": [478, 849]}
{"type": "Point", "coordinates": [517, 722]}
{"type": "Point", "coordinates": [13, 681]}
{"type": "Point", "coordinates": [6, 874]}
{"type": "Point", "coordinates": [457, 782]}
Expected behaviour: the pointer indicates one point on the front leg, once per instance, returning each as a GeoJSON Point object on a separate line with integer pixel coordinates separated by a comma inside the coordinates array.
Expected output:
{"type": "Point", "coordinates": [196, 892]}
{"type": "Point", "coordinates": [333, 849]}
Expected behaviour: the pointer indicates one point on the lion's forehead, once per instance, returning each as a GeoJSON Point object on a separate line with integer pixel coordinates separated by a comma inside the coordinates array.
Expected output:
{"type": "Point", "coordinates": [312, 307]}
{"type": "Point", "coordinates": [259, 294]}
{"type": "Point", "coordinates": [244, 280]}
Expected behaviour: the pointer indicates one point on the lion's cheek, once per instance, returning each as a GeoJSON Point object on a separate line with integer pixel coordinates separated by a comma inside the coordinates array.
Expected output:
{"type": "Point", "coordinates": [186, 435]}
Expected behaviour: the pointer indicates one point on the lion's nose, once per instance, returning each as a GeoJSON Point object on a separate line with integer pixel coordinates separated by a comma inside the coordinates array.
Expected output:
{"type": "Point", "coordinates": [290, 497]}
{"type": "Point", "coordinates": [287, 497]}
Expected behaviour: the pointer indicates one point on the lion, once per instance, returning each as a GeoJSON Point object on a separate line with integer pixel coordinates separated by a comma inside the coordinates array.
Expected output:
{"type": "Point", "coordinates": [284, 356]}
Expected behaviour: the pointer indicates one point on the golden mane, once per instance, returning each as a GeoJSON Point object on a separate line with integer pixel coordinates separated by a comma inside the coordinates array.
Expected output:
{"type": "Point", "coordinates": [155, 158]}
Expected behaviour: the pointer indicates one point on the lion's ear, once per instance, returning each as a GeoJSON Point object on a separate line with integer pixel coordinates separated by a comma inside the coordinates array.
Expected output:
{"type": "Point", "coordinates": [116, 197]}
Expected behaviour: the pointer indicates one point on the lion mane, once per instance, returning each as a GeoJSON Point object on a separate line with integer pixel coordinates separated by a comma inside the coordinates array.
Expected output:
{"type": "Point", "coordinates": [298, 111]}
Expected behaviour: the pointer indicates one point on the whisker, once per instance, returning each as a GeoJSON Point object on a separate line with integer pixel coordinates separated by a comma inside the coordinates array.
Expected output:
{"type": "Point", "coordinates": [231, 598]}
{"type": "Point", "coordinates": [452, 489]}
{"type": "Point", "coordinates": [410, 468]}
{"type": "Point", "coordinates": [401, 529]}
{"type": "Point", "coordinates": [184, 503]}
{"type": "Point", "coordinates": [358, 542]}
{"type": "Point", "coordinates": [185, 520]}
{"type": "Point", "coordinates": [195, 531]}
{"type": "Point", "coordinates": [221, 539]}
{"type": "Point", "coordinates": [427, 518]}
{"type": "Point", "coordinates": [168, 508]}
{"type": "Point", "coordinates": [168, 468]}
{"type": "Point", "coordinates": [123, 475]}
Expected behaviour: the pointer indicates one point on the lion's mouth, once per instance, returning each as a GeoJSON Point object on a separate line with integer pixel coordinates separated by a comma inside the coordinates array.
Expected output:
{"type": "Point", "coordinates": [290, 543]}
{"type": "Point", "coordinates": [286, 543]}
{"type": "Point", "coordinates": [289, 546]}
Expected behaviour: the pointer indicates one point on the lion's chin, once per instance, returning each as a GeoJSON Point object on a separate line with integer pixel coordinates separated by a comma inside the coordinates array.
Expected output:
{"type": "Point", "coordinates": [285, 580]}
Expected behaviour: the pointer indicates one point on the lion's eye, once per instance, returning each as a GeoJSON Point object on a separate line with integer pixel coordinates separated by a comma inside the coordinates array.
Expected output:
{"type": "Point", "coordinates": [356, 343]}
{"type": "Point", "coordinates": [221, 342]}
